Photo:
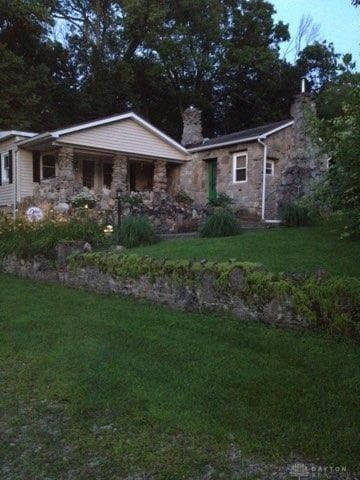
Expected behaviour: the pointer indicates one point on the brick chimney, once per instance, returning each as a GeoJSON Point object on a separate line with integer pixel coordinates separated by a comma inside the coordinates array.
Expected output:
{"type": "Point", "coordinates": [192, 129]}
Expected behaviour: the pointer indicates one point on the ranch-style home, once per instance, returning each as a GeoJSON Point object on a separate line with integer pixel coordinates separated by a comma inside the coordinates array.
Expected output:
{"type": "Point", "coordinates": [259, 168]}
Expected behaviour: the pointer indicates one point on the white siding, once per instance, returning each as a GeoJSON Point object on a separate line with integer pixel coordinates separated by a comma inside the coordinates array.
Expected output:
{"type": "Point", "coordinates": [22, 173]}
{"type": "Point", "coordinates": [7, 191]}
{"type": "Point", "coordinates": [124, 136]}
{"type": "Point", "coordinates": [25, 174]}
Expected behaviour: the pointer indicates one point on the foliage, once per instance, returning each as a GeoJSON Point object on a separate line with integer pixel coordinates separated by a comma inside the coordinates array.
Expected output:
{"type": "Point", "coordinates": [183, 197]}
{"type": "Point", "coordinates": [296, 214]}
{"type": "Point", "coordinates": [222, 223]}
{"type": "Point", "coordinates": [132, 199]}
{"type": "Point", "coordinates": [156, 57]}
{"type": "Point", "coordinates": [35, 69]}
{"type": "Point", "coordinates": [222, 200]}
{"type": "Point", "coordinates": [329, 304]}
{"type": "Point", "coordinates": [318, 63]}
{"type": "Point", "coordinates": [84, 199]}
{"type": "Point", "coordinates": [135, 231]}
{"type": "Point", "coordinates": [339, 138]}
{"type": "Point", "coordinates": [319, 202]}
{"type": "Point", "coordinates": [26, 239]}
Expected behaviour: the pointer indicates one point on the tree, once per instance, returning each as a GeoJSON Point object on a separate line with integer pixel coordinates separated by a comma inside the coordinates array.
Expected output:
{"type": "Point", "coordinates": [340, 138]}
{"type": "Point", "coordinates": [319, 64]}
{"type": "Point", "coordinates": [29, 66]}
{"type": "Point", "coordinates": [160, 56]}
{"type": "Point", "coordinates": [307, 34]}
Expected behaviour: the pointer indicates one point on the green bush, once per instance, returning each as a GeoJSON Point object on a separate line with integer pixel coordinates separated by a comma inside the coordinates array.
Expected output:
{"type": "Point", "coordinates": [222, 200]}
{"type": "Point", "coordinates": [296, 214]}
{"type": "Point", "coordinates": [183, 197]}
{"type": "Point", "coordinates": [221, 223]}
{"type": "Point", "coordinates": [40, 238]}
{"type": "Point", "coordinates": [136, 231]}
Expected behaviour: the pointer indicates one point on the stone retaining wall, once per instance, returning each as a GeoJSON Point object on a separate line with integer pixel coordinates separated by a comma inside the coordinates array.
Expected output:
{"type": "Point", "coordinates": [204, 295]}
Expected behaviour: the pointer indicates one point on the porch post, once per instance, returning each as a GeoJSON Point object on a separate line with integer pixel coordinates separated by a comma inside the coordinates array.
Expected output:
{"type": "Point", "coordinates": [160, 176]}
{"type": "Point", "coordinates": [119, 174]}
{"type": "Point", "coordinates": [66, 172]}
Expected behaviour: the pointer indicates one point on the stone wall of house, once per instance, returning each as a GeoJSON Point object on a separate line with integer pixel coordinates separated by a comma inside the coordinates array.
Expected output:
{"type": "Point", "coordinates": [166, 214]}
{"type": "Point", "coordinates": [200, 296]}
{"type": "Point", "coordinates": [298, 163]}
{"type": "Point", "coordinates": [246, 196]}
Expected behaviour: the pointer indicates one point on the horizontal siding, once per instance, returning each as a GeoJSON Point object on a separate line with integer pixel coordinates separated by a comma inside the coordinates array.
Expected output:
{"type": "Point", "coordinates": [25, 168]}
{"type": "Point", "coordinates": [7, 191]}
{"type": "Point", "coordinates": [124, 136]}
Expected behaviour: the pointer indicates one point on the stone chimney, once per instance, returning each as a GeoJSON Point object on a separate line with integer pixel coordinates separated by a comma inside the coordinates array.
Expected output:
{"type": "Point", "coordinates": [192, 130]}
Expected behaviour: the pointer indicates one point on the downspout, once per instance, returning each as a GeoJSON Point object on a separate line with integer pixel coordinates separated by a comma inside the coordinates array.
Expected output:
{"type": "Point", "coordinates": [263, 200]}
{"type": "Point", "coordinates": [14, 167]}
{"type": "Point", "coordinates": [263, 180]}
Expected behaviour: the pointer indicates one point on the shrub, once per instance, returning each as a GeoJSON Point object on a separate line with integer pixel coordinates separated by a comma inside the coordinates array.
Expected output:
{"type": "Point", "coordinates": [133, 199]}
{"type": "Point", "coordinates": [183, 197]}
{"type": "Point", "coordinates": [136, 231]}
{"type": "Point", "coordinates": [28, 239]}
{"type": "Point", "coordinates": [221, 223]}
{"type": "Point", "coordinates": [83, 199]}
{"type": "Point", "coordinates": [222, 200]}
{"type": "Point", "coordinates": [295, 214]}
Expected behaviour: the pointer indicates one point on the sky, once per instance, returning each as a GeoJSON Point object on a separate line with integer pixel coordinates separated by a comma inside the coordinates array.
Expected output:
{"type": "Point", "coordinates": [339, 21]}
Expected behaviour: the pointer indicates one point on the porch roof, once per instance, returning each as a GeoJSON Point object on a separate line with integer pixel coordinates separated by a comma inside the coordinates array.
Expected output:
{"type": "Point", "coordinates": [127, 133]}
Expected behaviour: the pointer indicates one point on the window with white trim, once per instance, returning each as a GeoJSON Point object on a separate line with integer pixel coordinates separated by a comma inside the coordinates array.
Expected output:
{"type": "Point", "coordinates": [269, 167]}
{"type": "Point", "coordinates": [240, 164]}
{"type": "Point", "coordinates": [5, 166]}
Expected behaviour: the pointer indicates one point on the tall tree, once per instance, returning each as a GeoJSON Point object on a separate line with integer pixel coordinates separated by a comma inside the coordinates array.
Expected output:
{"type": "Point", "coordinates": [29, 65]}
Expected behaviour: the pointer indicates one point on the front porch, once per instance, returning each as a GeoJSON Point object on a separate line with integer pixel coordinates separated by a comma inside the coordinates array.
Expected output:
{"type": "Point", "coordinates": [147, 185]}
{"type": "Point", "coordinates": [67, 170]}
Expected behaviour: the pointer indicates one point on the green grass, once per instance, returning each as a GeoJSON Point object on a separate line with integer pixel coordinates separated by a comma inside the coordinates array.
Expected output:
{"type": "Point", "coordinates": [281, 249]}
{"type": "Point", "coordinates": [103, 386]}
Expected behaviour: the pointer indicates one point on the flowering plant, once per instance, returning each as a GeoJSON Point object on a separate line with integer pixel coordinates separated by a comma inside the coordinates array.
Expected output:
{"type": "Point", "coordinates": [84, 199]}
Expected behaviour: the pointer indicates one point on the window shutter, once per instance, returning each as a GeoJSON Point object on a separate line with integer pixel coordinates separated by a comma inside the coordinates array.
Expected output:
{"type": "Point", "coordinates": [36, 167]}
{"type": "Point", "coordinates": [10, 166]}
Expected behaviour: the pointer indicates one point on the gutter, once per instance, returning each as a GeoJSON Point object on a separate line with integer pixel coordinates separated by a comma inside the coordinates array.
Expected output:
{"type": "Point", "coordinates": [34, 140]}
{"type": "Point", "coordinates": [263, 179]}
{"type": "Point", "coordinates": [263, 194]}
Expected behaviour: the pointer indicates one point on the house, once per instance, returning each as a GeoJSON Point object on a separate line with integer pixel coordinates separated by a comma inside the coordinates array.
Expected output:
{"type": "Point", "coordinates": [259, 168]}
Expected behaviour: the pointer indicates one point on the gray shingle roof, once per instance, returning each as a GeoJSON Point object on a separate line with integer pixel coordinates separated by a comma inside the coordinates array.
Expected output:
{"type": "Point", "coordinates": [242, 136]}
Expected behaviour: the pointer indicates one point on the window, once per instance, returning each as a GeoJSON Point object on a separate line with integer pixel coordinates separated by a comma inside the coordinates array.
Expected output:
{"type": "Point", "coordinates": [5, 164]}
{"type": "Point", "coordinates": [88, 170]}
{"type": "Point", "coordinates": [48, 166]}
{"type": "Point", "coordinates": [269, 167]}
{"type": "Point", "coordinates": [240, 161]}
{"type": "Point", "coordinates": [107, 174]}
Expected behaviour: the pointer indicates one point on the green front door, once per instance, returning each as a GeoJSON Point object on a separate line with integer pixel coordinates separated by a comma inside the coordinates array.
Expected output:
{"type": "Point", "coordinates": [212, 166]}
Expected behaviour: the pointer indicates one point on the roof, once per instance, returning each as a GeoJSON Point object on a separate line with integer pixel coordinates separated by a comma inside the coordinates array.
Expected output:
{"type": "Point", "coordinates": [6, 134]}
{"type": "Point", "coordinates": [242, 136]}
{"type": "Point", "coordinates": [56, 134]}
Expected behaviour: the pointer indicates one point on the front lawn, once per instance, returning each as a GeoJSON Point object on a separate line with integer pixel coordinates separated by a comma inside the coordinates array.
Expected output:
{"type": "Point", "coordinates": [278, 249]}
{"type": "Point", "coordinates": [105, 387]}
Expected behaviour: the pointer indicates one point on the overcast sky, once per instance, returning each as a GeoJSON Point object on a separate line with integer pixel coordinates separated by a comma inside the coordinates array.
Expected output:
{"type": "Point", "coordinates": [339, 21]}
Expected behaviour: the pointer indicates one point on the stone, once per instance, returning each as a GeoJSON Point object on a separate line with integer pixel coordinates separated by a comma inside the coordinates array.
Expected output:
{"type": "Point", "coordinates": [160, 176]}
{"type": "Point", "coordinates": [87, 247]}
{"type": "Point", "coordinates": [119, 175]}
{"type": "Point", "coordinates": [62, 207]}
{"type": "Point", "coordinates": [192, 127]}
